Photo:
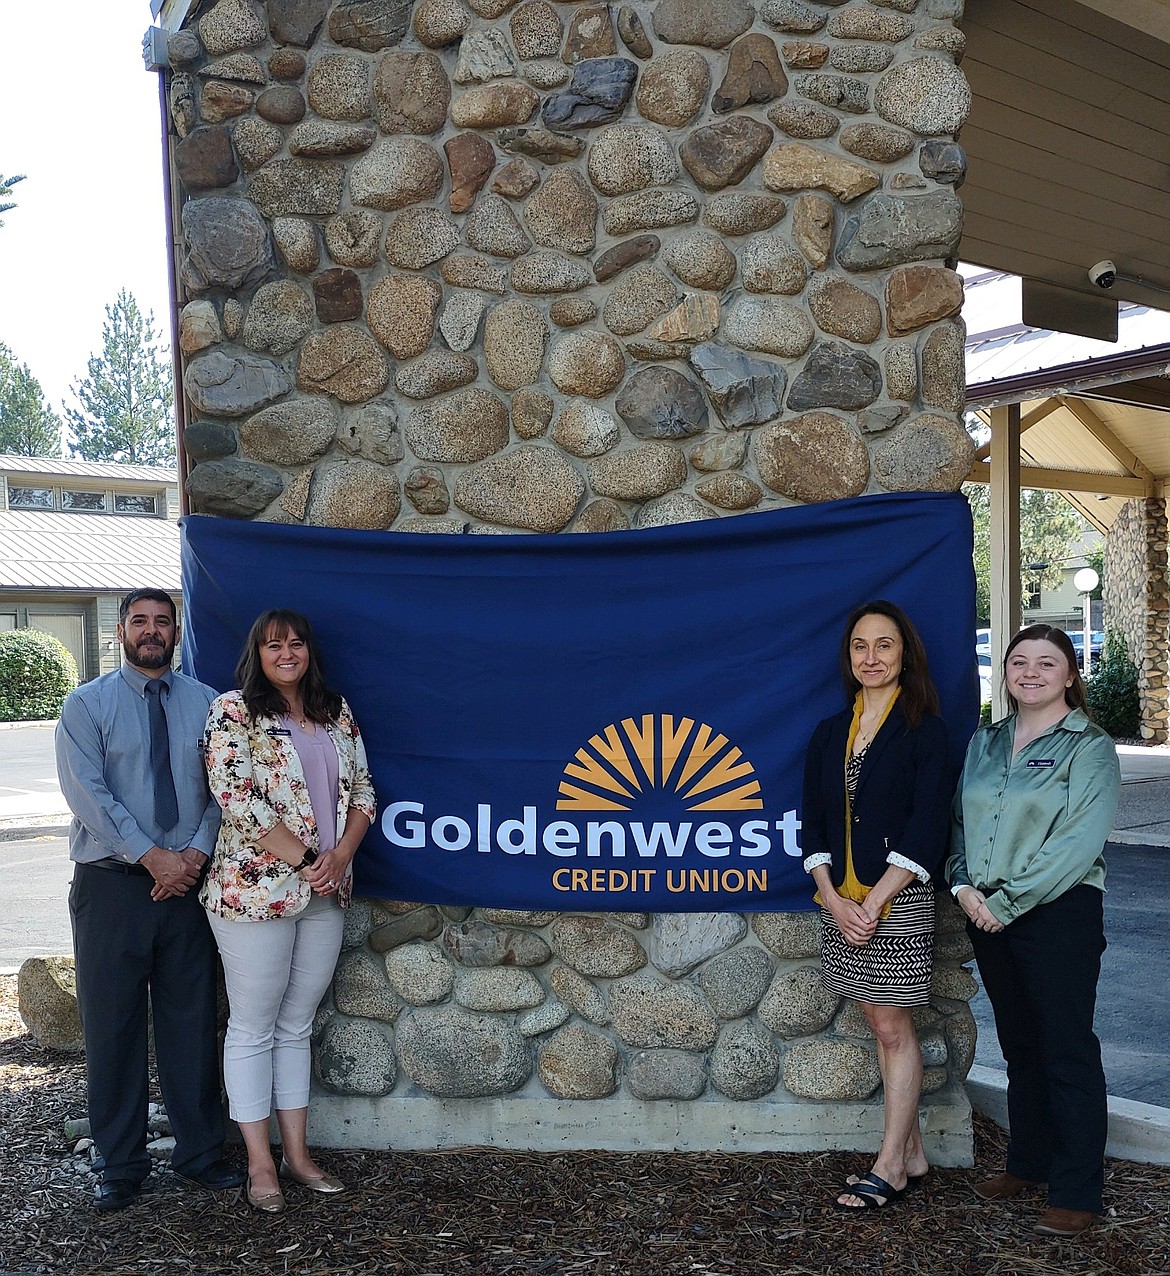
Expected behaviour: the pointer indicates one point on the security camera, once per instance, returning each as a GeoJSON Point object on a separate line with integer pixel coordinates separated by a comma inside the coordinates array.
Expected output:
{"type": "Point", "coordinates": [1103, 274]}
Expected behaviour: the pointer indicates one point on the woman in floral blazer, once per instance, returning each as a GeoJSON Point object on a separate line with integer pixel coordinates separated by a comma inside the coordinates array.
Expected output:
{"type": "Point", "coordinates": [286, 763]}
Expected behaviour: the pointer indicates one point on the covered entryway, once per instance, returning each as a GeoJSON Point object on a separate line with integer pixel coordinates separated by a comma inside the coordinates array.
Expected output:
{"type": "Point", "coordinates": [1068, 167]}
{"type": "Point", "coordinates": [1094, 428]}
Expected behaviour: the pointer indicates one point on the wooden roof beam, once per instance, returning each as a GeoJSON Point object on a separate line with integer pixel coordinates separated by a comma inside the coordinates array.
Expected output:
{"type": "Point", "coordinates": [1034, 416]}
{"type": "Point", "coordinates": [1112, 444]}
{"type": "Point", "coordinates": [1097, 511]}
{"type": "Point", "coordinates": [1050, 480]}
{"type": "Point", "coordinates": [1004, 535]}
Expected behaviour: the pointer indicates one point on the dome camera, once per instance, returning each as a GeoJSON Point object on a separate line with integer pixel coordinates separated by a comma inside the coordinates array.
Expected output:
{"type": "Point", "coordinates": [1103, 274]}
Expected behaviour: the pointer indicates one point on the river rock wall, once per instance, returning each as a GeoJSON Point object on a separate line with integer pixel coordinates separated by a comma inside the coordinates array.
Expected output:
{"type": "Point", "coordinates": [541, 267]}
{"type": "Point", "coordinates": [461, 1003]}
{"type": "Point", "coordinates": [1137, 603]}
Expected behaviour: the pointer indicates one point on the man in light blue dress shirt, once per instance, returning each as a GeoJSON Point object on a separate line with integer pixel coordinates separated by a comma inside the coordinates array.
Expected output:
{"type": "Point", "coordinates": [138, 927]}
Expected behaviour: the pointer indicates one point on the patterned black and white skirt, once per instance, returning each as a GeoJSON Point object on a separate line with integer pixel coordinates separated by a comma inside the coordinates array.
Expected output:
{"type": "Point", "coordinates": [894, 968]}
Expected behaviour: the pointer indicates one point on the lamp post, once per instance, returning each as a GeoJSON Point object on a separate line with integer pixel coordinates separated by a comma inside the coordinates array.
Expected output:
{"type": "Point", "coordinates": [1085, 581]}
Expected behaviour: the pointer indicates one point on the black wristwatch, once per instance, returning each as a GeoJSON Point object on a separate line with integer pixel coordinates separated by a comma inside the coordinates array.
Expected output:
{"type": "Point", "coordinates": [310, 858]}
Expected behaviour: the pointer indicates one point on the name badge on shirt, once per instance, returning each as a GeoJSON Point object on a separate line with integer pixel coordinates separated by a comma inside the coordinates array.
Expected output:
{"type": "Point", "coordinates": [278, 731]}
{"type": "Point", "coordinates": [1042, 762]}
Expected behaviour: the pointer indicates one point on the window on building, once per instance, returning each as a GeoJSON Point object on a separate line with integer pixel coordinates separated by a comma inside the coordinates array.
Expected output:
{"type": "Point", "coordinates": [83, 501]}
{"type": "Point", "coordinates": [30, 498]}
{"type": "Point", "coordinates": [135, 503]}
{"type": "Point", "coordinates": [1031, 595]}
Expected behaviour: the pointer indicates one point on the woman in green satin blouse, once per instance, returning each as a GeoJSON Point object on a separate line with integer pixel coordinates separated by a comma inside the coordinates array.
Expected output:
{"type": "Point", "coordinates": [1035, 805]}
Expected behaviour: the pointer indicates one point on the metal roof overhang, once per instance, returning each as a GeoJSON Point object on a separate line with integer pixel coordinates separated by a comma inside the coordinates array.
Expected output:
{"type": "Point", "coordinates": [1141, 376]}
{"type": "Point", "coordinates": [93, 553]}
{"type": "Point", "coordinates": [1098, 432]}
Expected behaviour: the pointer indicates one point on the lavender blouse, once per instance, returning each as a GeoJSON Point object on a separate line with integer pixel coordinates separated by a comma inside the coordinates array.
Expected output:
{"type": "Point", "coordinates": [318, 755]}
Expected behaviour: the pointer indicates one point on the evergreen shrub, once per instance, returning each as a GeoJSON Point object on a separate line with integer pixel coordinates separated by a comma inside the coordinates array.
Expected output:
{"type": "Point", "coordinates": [36, 674]}
{"type": "Point", "coordinates": [1112, 691]}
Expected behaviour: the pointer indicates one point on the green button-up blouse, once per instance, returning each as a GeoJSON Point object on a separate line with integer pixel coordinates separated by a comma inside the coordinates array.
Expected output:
{"type": "Point", "coordinates": [1026, 829]}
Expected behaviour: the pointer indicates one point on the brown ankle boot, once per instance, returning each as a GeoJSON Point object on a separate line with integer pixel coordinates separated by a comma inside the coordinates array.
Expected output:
{"type": "Point", "coordinates": [1002, 1187]}
{"type": "Point", "coordinates": [1061, 1222]}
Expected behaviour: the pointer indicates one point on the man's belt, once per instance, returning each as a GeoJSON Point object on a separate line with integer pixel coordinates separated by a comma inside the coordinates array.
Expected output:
{"type": "Point", "coordinates": [118, 866]}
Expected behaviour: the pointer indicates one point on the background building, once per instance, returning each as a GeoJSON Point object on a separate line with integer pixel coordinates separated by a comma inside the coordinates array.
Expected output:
{"type": "Point", "coordinates": [74, 537]}
{"type": "Point", "coordinates": [1064, 605]}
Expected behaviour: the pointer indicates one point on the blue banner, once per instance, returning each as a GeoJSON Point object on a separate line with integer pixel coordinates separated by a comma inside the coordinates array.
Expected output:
{"type": "Point", "coordinates": [605, 721]}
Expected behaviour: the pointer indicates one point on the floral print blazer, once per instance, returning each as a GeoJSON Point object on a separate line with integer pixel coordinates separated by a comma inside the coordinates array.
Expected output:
{"type": "Point", "coordinates": [255, 775]}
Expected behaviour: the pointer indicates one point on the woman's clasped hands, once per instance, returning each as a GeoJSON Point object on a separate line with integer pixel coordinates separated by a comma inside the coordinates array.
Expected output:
{"type": "Point", "coordinates": [327, 871]}
{"type": "Point", "coordinates": [856, 925]}
{"type": "Point", "coordinates": [974, 903]}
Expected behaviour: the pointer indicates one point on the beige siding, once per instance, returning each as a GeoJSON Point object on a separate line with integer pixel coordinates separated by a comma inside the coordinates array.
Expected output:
{"type": "Point", "coordinates": [1067, 143]}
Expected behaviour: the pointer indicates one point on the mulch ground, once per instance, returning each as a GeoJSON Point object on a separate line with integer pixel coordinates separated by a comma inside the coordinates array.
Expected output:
{"type": "Point", "coordinates": [600, 1213]}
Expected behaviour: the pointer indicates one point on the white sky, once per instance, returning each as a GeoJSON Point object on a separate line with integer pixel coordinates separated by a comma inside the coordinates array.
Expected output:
{"type": "Point", "coordinates": [79, 117]}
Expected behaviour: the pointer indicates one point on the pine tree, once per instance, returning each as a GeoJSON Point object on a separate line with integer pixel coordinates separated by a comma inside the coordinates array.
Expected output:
{"type": "Point", "coordinates": [6, 185]}
{"type": "Point", "coordinates": [125, 401]}
{"type": "Point", "coordinates": [1049, 531]}
{"type": "Point", "coordinates": [28, 426]}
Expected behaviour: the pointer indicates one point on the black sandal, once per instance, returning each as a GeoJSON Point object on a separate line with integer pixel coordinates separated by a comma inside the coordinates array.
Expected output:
{"type": "Point", "coordinates": [868, 1189]}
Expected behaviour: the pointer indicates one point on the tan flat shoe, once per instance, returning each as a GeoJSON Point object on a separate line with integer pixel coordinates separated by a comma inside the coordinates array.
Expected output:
{"type": "Point", "coordinates": [326, 1184]}
{"type": "Point", "coordinates": [268, 1203]}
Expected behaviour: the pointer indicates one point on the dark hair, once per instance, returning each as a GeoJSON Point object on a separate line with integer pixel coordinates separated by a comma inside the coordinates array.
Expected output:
{"type": "Point", "coordinates": [260, 696]}
{"type": "Point", "coordinates": [153, 595]}
{"type": "Point", "coordinates": [1074, 696]}
{"type": "Point", "coordinates": [918, 694]}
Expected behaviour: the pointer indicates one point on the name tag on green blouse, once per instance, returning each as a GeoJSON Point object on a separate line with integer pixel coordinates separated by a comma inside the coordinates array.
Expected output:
{"type": "Point", "coordinates": [1042, 762]}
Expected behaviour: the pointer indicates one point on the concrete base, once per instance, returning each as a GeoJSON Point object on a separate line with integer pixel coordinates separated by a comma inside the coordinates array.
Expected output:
{"type": "Point", "coordinates": [1137, 1131]}
{"type": "Point", "coordinates": [425, 1123]}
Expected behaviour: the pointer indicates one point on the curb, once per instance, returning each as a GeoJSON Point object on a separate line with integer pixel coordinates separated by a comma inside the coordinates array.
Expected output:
{"type": "Point", "coordinates": [1137, 1131]}
{"type": "Point", "coordinates": [1135, 838]}
{"type": "Point", "coordinates": [34, 826]}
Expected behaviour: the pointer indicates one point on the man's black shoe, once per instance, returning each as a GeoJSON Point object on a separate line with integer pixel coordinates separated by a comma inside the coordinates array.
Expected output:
{"type": "Point", "coordinates": [218, 1176]}
{"type": "Point", "coordinates": [115, 1194]}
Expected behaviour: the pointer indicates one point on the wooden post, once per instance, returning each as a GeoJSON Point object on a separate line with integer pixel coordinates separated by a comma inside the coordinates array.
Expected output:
{"type": "Point", "coordinates": [1004, 495]}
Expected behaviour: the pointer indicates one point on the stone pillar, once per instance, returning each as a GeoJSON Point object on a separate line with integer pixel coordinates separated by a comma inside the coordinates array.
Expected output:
{"type": "Point", "coordinates": [1137, 604]}
{"type": "Point", "coordinates": [550, 266]}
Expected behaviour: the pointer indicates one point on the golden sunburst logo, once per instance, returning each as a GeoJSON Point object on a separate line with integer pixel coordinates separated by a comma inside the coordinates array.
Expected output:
{"type": "Point", "coordinates": [659, 751]}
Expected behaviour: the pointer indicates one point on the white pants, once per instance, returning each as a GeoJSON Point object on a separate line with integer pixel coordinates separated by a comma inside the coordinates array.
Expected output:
{"type": "Point", "coordinates": [276, 972]}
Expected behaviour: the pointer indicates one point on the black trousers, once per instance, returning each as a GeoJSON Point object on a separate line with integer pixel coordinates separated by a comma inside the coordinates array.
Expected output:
{"type": "Point", "coordinates": [129, 947]}
{"type": "Point", "coordinates": [1040, 974]}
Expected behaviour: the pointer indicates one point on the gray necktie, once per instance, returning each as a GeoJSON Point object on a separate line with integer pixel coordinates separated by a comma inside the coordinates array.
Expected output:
{"type": "Point", "coordinates": [166, 805]}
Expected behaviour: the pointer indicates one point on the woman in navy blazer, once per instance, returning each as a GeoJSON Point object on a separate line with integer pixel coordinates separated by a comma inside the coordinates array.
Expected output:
{"type": "Point", "coordinates": [877, 790]}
